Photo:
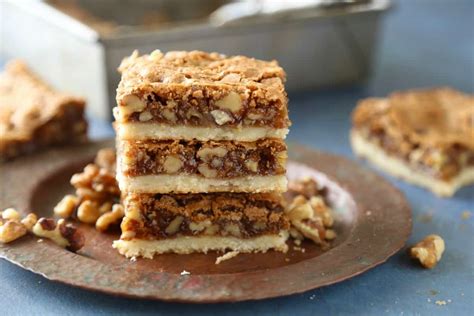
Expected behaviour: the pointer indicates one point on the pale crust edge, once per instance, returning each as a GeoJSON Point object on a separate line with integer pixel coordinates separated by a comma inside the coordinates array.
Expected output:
{"type": "Point", "coordinates": [204, 244]}
{"type": "Point", "coordinates": [399, 168]}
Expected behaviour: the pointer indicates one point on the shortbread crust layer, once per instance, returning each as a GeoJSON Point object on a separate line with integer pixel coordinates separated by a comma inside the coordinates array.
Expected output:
{"type": "Point", "coordinates": [223, 159]}
{"type": "Point", "coordinates": [144, 131]}
{"type": "Point", "coordinates": [199, 184]}
{"type": "Point", "coordinates": [409, 172]}
{"type": "Point", "coordinates": [204, 244]}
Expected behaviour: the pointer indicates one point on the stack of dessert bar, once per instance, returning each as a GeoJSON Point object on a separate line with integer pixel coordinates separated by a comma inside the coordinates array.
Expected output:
{"type": "Point", "coordinates": [201, 153]}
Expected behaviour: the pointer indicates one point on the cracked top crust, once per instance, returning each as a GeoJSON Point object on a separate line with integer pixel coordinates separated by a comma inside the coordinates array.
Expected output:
{"type": "Point", "coordinates": [201, 89]}
{"type": "Point", "coordinates": [197, 67]}
{"type": "Point", "coordinates": [433, 117]}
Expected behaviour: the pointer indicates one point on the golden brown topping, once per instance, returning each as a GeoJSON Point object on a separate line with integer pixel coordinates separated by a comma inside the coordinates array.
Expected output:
{"type": "Point", "coordinates": [434, 117]}
{"type": "Point", "coordinates": [428, 251]}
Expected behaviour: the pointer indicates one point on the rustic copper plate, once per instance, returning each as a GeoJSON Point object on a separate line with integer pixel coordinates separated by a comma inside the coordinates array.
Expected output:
{"type": "Point", "coordinates": [373, 222]}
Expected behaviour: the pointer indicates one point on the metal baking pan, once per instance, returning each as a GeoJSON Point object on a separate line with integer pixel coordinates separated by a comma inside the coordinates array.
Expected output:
{"type": "Point", "coordinates": [326, 44]}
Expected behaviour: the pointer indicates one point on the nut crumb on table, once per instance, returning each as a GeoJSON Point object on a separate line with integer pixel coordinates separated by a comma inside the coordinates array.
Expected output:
{"type": "Point", "coordinates": [428, 251]}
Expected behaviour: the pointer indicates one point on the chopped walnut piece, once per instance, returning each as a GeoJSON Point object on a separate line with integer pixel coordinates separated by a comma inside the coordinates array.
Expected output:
{"type": "Point", "coordinates": [88, 212]}
{"type": "Point", "coordinates": [66, 207]}
{"type": "Point", "coordinates": [131, 103]}
{"type": "Point", "coordinates": [106, 207]}
{"type": "Point", "coordinates": [105, 221]}
{"type": "Point", "coordinates": [306, 187]}
{"type": "Point", "coordinates": [308, 213]}
{"type": "Point", "coordinates": [428, 251]}
{"type": "Point", "coordinates": [173, 227]}
{"type": "Point", "coordinates": [10, 213]}
{"type": "Point", "coordinates": [29, 221]}
{"type": "Point", "coordinates": [221, 117]}
{"type": "Point", "coordinates": [97, 182]}
{"type": "Point", "coordinates": [230, 102]}
{"type": "Point", "coordinates": [304, 219]}
{"type": "Point", "coordinates": [11, 230]}
{"type": "Point", "coordinates": [106, 158]}
{"type": "Point", "coordinates": [63, 234]}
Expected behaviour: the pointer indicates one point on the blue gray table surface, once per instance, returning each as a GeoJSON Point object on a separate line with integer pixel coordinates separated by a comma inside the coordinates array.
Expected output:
{"type": "Point", "coordinates": [424, 43]}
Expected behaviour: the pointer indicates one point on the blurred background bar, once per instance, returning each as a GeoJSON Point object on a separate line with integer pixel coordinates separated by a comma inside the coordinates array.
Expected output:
{"type": "Point", "coordinates": [77, 45]}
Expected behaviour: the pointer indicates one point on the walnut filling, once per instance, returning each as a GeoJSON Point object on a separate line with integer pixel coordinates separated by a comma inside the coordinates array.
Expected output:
{"type": "Point", "coordinates": [203, 108]}
{"type": "Point", "coordinates": [224, 159]}
{"type": "Point", "coordinates": [225, 214]}
{"type": "Point", "coordinates": [443, 163]}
